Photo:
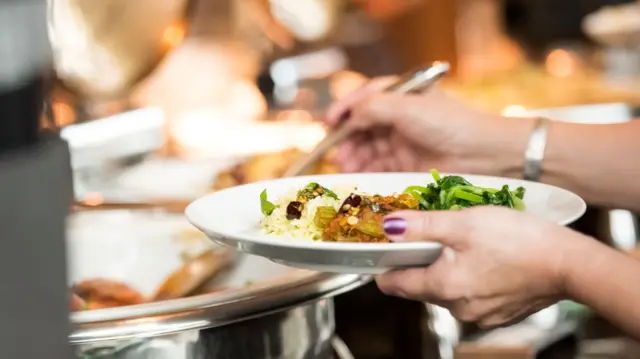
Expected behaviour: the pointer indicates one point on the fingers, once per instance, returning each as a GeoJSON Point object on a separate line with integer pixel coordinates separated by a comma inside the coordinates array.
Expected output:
{"type": "Point", "coordinates": [369, 151]}
{"type": "Point", "coordinates": [447, 227]}
{"type": "Point", "coordinates": [404, 156]}
{"type": "Point", "coordinates": [402, 112]}
{"type": "Point", "coordinates": [407, 284]}
{"type": "Point", "coordinates": [429, 284]}
{"type": "Point", "coordinates": [354, 153]}
{"type": "Point", "coordinates": [405, 112]}
{"type": "Point", "coordinates": [340, 110]}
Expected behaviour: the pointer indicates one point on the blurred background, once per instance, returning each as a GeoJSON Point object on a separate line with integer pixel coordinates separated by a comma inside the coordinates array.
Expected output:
{"type": "Point", "coordinates": [165, 100]}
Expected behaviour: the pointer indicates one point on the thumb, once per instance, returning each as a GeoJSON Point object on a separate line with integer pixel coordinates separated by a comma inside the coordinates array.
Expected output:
{"type": "Point", "coordinates": [445, 227]}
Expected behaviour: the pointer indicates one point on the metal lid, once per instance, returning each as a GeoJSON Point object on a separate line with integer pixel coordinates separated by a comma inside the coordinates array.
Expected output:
{"type": "Point", "coordinates": [210, 310]}
{"type": "Point", "coordinates": [138, 247]}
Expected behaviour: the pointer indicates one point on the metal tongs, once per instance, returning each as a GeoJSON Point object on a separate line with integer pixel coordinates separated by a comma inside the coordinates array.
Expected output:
{"type": "Point", "coordinates": [412, 82]}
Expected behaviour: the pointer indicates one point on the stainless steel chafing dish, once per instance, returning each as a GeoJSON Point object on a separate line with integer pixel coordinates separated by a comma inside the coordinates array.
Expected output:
{"type": "Point", "coordinates": [284, 313]}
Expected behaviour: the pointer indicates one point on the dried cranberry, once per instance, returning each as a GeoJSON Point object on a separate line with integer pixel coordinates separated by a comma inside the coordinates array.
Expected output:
{"type": "Point", "coordinates": [294, 210]}
{"type": "Point", "coordinates": [352, 201]}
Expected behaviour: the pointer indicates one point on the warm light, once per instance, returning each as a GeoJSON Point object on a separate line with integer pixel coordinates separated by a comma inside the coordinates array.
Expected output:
{"type": "Point", "coordinates": [515, 111]}
{"type": "Point", "coordinates": [246, 100]}
{"type": "Point", "coordinates": [309, 20]}
{"type": "Point", "coordinates": [213, 132]}
{"type": "Point", "coordinates": [93, 199]}
{"type": "Point", "coordinates": [561, 63]}
{"type": "Point", "coordinates": [345, 82]}
{"type": "Point", "coordinates": [295, 116]}
{"type": "Point", "coordinates": [63, 114]}
{"type": "Point", "coordinates": [173, 35]}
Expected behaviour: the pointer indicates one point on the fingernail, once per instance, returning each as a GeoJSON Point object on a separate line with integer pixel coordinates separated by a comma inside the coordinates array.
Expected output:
{"type": "Point", "coordinates": [345, 116]}
{"type": "Point", "coordinates": [394, 226]}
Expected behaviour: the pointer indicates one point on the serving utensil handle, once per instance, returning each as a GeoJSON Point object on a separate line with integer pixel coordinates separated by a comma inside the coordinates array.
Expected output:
{"type": "Point", "coordinates": [414, 81]}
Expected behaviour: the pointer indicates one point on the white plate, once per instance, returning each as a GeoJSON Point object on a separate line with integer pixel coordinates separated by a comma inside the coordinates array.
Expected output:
{"type": "Point", "coordinates": [231, 217]}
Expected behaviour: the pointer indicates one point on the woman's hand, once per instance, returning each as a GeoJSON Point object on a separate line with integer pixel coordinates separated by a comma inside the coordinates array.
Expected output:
{"type": "Point", "coordinates": [498, 265]}
{"type": "Point", "coordinates": [420, 132]}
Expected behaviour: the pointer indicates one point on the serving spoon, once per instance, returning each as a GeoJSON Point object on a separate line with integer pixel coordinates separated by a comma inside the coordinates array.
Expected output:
{"type": "Point", "coordinates": [192, 274]}
{"type": "Point", "coordinates": [412, 82]}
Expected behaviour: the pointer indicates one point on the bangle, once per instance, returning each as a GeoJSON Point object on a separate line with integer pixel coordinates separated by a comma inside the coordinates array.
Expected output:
{"type": "Point", "coordinates": [534, 154]}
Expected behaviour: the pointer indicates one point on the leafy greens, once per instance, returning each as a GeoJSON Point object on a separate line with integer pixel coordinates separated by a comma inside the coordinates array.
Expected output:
{"type": "Point", "coordinates": [455, 192]}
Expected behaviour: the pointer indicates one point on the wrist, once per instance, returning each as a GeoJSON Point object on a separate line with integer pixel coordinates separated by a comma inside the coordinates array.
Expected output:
{"type": "Point", "coordinates": [501, 145]}
{"type": "Point", "coordinates": [579, 254]}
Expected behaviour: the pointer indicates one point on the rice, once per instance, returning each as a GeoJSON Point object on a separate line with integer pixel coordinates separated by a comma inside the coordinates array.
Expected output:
{"type": "Point", "coordinates": [303, 228]}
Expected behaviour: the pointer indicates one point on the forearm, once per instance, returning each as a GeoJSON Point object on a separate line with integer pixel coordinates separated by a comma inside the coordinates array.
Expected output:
{"type": "Point", "coordinates": [595, 161]}
{"type": "Point", "coordinates": [607, 281]}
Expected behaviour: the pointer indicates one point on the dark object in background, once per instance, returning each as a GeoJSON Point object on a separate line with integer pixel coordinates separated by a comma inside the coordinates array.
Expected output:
{"type": "Point", "coordinates": [539, 24]}
{"type": "Point", "coordinates": [35, 194]}
{"type": "Point", "coordinates": [20, 111]}
{"type": "Point", "coordinates": [376, 326]}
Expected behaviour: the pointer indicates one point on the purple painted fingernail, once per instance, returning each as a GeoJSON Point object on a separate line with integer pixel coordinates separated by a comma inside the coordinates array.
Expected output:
{"type": "Point", "coordinates": [345, 116]}
{"type": "Point", "coordinates": [394, 226]}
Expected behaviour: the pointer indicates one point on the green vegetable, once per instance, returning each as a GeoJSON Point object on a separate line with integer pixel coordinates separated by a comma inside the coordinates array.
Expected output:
{"type": "Point", "coordinates": [421, 194]}
{"type": "Point", "coordinates": [266, 206]}
{"type": "Point", "coordinates": [519, 192]}
{"type": "Point", "coordinates": [330, 193]}
{"type": "Point", "coordinates": [324, 214]}
{"type": "Point", "coordinates": [309, 192]}
{"type": "Point", "coordinates": [455, 193]}
{"type": "Point", "coordinates": [370, 227]}
{"type": "Point", "coordinates": [435, 174]}
{"type": "Point", "coordinates": [518, 204]}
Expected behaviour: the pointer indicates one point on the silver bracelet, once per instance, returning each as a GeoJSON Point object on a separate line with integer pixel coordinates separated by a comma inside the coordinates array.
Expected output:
{"type": "Point", "coordinates": [534, 154]}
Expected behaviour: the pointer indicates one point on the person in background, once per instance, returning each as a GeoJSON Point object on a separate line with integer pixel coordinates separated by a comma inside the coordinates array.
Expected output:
{"type": "Point", "coordinates": [498, 265]}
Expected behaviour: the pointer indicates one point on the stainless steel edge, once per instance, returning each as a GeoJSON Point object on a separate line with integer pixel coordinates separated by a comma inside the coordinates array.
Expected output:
{"type": "Point", "coordinates": [340, 348]}
{"type": "Point", "coordinates": [207, 311]}
{"type": "Point", "coordinates": [303, 332]}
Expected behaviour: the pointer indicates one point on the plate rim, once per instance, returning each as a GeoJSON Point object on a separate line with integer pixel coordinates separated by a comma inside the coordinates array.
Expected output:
{"type": "Point", "coordinates": [276, 241]}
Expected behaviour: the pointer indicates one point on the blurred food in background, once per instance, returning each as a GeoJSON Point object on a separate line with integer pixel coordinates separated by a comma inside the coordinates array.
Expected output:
{"type": "Point", "coordinates": [105, 293]}
{"type": "Point", "coordinates": [120, 258]}
{"type": "Point", "coordinates": [562, 82]}
{"type": "Point", "coordinates": [102, 49]}
{"type": "Point", "coordinates": [265, 167]}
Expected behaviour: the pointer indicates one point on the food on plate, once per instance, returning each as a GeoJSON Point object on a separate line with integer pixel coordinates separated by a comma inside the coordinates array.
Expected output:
{"type": "Point", "coordinates": [104, 293]}
{"type": "Point", "coordinates": [345, 215]}
{"type": "Point", "coordinates": [298, 213]}
{"type": "Point", "coordinates": [359, 219]}
{"type": "Point", "coordinates": [455, 192]}
{"type": "Point", "coordinates": [265, 167]}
